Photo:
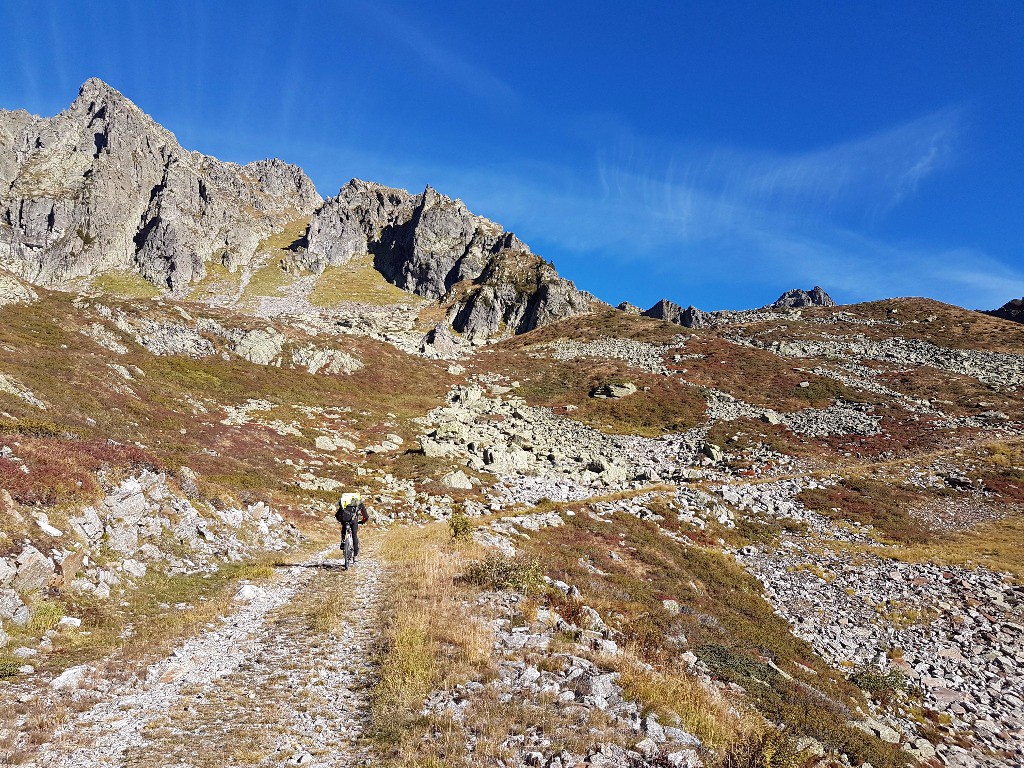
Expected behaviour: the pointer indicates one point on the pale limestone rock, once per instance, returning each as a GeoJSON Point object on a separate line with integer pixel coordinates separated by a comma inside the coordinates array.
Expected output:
{"type": "Point", "coordinates": [35, 570]}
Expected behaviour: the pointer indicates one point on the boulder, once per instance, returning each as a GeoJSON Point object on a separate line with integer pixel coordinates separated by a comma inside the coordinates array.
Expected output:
{"type": "Point", "coordinates": [35, 570]}
{"type": "Point", "coordinates": [458, 479]}
{"type": "Point", "coordinates": [248, 593]}
{"type": "Point", "coordinates": [713, 452]}
{"type": "Point", "coordinates": [70, 565]}
{"type": "Point", "coordinates": [70, 678]}
{"type": "Point", "coordinates": [324, 443]}
{"type": "Point", "coordinates": [614, 390]}
{"type": "Point", "coordinates": [88, 525]}
{"type": "Point", "coordinates": [7, 572]}
{"type": "Point", "coordinates": [10, 602]}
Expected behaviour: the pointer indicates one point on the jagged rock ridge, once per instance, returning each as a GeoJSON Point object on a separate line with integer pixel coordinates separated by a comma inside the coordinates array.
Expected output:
{"type": "Point", "coordinates": [691, 317]}
{"type": "Point", "coordinates": [101, 186]}
{"type": "Point", "coordinates": [433, 246]}
{"type": "Point", "coordinates": [1011, 310]}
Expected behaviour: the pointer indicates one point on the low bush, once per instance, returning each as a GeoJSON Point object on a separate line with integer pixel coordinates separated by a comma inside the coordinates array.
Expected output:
{"type": "Point", "coordinates": [513, 573]}
{"type": "Point", "coordinates": [55, 470]}
{"type": "Point", "coordinates": [9, 667]}
{"type": "Point", "coordinates": [883, 686]}
{"type": "Point", "coordinates": [461, 528]}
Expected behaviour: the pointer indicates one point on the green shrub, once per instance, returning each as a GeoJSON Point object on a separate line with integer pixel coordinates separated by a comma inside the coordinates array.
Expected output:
{"type": "Point", "coordinates": [9, 667]}
{"type": "Point", "coordinates": [883, 686]}
{"type": "Point", "coordinates": [514, 573]}
{"type": "Point", "coordinates": [462, 529]}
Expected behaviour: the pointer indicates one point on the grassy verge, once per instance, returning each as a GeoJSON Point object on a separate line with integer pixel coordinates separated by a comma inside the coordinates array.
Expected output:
{"type": "Point", "coordinates": [129, 285]}
{"type": "Point", "coordinates": [427, 642]}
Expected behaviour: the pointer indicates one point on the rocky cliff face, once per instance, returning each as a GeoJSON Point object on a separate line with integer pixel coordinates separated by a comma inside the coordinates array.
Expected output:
{"type": "Point", "coordinates": [101, 186]}
{"type": "Point", "coordinates": [434, 247]}
{"type": "Point", "coordinates": [1011, 310]}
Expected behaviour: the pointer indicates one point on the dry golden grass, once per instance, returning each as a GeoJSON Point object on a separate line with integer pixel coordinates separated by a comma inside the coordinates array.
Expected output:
{"type": "Point", "coordinates": [673, 692]}
{"type": "Point", "coordinates": [279, 270]}
{"type": "Point", "coordinates": [998, 545]}
{"type": "Point", "coordinates": [218, 281]}
{"type": "Point", "coordinates": [427, 642]}
{"type": "Point", "coordinates": [358, 280]}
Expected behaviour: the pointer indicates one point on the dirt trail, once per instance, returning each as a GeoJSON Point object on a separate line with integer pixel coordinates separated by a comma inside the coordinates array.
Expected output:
{"type": "Point", "coordinates": [284, 680]}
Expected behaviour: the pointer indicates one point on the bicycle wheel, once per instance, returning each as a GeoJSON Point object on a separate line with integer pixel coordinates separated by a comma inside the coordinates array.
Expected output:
{"type": "Point", "coordinates": [349, 555]}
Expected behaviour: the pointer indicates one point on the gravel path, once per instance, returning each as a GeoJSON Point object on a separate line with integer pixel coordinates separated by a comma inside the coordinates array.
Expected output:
{"type": "Point", "coordinates": [284, 680]}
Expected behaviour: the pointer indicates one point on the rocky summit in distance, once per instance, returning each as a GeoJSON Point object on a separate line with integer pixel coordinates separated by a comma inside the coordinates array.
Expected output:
{"type": "Point", "coordinates": [1011, 310]}
{"type": "Point", "coordinates": [433, 246]}
{"type": "Point", "coordinates": [798, 299]}
{"type": "Point", "coordinates": [691, 317]}
{"type": "Point", "coordinates": [102, 187]}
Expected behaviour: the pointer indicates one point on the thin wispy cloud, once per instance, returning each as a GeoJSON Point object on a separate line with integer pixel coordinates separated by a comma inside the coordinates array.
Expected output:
{"type": "Point", "coordinates": [471, 77]}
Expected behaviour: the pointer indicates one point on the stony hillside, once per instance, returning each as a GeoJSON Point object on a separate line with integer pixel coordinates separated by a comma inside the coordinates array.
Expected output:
{"type": "Point", "coordinates": [788, 536]}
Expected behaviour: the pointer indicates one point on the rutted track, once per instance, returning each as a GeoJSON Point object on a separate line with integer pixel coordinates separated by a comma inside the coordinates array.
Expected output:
{"type": "Point", "coordinates": [283, 680]}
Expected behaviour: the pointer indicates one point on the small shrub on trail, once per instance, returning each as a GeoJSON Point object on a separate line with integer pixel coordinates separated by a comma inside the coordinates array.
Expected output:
{"type": "Point", "coordinates": [519, 574]}
{"type": "Point", "coordinates": [462, 529]}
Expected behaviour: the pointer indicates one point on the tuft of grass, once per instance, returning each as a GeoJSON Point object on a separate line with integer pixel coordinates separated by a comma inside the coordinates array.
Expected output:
{"type": "Point", "coordinates": [884, 687]}
{"type": "Point", "coordinates": [44, 615]}
{"type": "Point", "coordinates": [9, 667]}
{"type": "Point", "coordinates": [673, 692]}
{"type": "Point", "coordinates": [426, 643]}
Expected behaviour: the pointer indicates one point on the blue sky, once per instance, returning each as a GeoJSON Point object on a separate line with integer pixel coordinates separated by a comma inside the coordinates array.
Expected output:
{"type": "Point", "coordinates": [713, 153]}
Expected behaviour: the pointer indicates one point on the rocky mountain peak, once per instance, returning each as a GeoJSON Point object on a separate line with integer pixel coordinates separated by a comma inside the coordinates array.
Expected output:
{"type": "Point", "coordinates": [797, 299]}
{"type": "Point", "coordinates": [691, 317]}
{"type": "Point", "coordinates": [101, 186]}
{"type": "Point", "coordinates": [433, 246]}
{"type": "Point", "coordinates": [1011, 310]}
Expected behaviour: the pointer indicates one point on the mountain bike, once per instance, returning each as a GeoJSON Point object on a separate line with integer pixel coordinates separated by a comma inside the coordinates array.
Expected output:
{"type": "Point", "coordinates": [346, 547]}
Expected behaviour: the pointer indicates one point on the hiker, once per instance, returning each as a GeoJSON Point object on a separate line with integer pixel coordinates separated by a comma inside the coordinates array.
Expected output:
{"type": "Point", "coordinates": [351, 513]}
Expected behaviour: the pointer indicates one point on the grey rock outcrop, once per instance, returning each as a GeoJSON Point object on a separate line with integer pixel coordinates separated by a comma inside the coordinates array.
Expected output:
{"type": "Point", "coordinates": [1011, 310]}
{"type": "Point", "coordinates": [13, 291]}
{"type": "Point", "coordinates": [691, 317]}
{"type": "Point", "coordinates": [101, 186]}
{"type": "Point", "coordinates": [433, 246]}
{"type": "Point", "coordinates": [797, 299]}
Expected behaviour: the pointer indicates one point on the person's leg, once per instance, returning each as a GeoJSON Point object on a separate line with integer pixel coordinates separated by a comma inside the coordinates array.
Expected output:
{"type": "Point", "coordinates": [355, 537]}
